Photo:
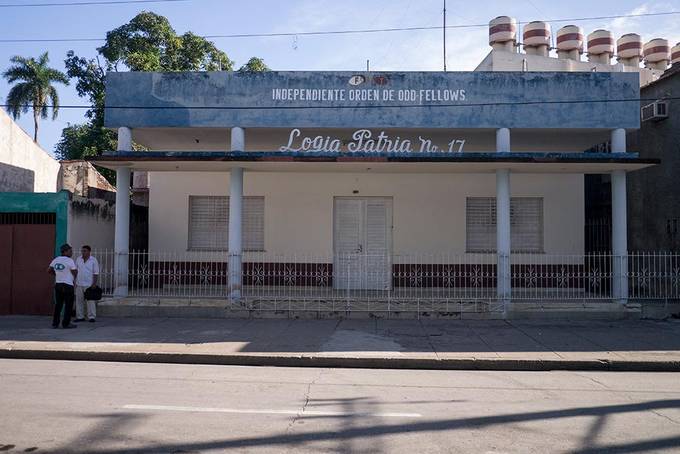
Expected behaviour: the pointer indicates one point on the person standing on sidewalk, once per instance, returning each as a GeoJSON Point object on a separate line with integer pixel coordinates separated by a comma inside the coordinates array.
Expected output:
{"type": "Point", "coordinates": [88, 276]}
{"type": "Point", "coordinates": [64, 270]}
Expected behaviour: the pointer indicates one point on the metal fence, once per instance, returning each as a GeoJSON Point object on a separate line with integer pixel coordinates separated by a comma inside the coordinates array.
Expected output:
{"type": "Point", "coordinates": [395, 282]}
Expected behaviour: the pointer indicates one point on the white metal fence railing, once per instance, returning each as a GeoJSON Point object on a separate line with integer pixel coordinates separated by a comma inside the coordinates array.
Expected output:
{"type": "Point", "coordinates": [393, 282]}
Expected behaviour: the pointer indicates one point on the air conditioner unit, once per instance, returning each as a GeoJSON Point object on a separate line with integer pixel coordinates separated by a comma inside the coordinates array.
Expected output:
{"type": "Point", "coordinates": [656, 111]}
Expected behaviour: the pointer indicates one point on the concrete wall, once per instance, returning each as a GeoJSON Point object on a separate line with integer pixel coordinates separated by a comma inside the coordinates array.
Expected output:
{"type": "Point", "coordinates": [79, 176]}
{"type": "Point", "coordinates": [91, 221]}
{"type": "Point", "coordinates": [513, 61]}
{"type": "Point", "coordinates": [653, 193]}
{"type": "Point", "coordinates": [405, 99]}
{"type": "Point", "coordinates": [24, 166]}
{"type": "Point", "coordinates": [428, 210]}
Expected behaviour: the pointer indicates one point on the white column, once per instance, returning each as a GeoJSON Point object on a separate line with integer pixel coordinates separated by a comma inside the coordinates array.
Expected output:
{"type": "Point", "coordinates": [235, 217]}
{"type": "Point", "coordinates": [503, 219]}
{"type": "Point", "coordinates": [238, 139]}
{"type": "Point", "coordinates": [235, 223]}
{"type": "Point", "coordinates": [122, 226]}
{"type": "Point", "coordinates": [619, 222]}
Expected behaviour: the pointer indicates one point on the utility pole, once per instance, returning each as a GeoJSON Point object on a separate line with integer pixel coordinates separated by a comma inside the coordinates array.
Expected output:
{"type": "Point", "coordinates": [444, 33]}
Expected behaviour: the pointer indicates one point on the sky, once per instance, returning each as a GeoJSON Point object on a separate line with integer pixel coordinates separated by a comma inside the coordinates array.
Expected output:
{"type": "Point", "coordinates": [387, 51]}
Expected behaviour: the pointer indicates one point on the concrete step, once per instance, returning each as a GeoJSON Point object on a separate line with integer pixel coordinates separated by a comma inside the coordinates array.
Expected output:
{"type": "Point", "coordinates": [220, 308]}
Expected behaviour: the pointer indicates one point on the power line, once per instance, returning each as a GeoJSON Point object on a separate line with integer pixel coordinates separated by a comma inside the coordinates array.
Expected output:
{"type": "Point", "coordinates": [345, 32]}
{"type": "Point", "coordinates": [372, 106]}
{"type": "Point", "coordinates": [86, 3]}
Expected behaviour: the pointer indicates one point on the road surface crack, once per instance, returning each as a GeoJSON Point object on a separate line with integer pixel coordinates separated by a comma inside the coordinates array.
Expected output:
{"type": "Point", "coordinates": [665, 417]}
{"type": "Point", "coordinates": [306, 402]}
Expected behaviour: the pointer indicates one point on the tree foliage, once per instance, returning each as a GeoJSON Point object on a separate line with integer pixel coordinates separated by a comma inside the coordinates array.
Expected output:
{"type": "Point", "coordinates": [149, 43]}
{"type": "Point", "coordinates": [34, 88]}
{"type": "Point", "coordinates": [146, 43]}
{"type": "Point", "coordinates": [254, 65]}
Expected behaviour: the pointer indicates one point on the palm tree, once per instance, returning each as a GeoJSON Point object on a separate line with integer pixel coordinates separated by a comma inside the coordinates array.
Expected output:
{"type": "Point", "coordinates": [34, 89]}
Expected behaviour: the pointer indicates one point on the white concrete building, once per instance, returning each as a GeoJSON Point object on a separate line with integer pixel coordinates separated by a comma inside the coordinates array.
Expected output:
{"type": "Point", "coordinates": [379, 188]}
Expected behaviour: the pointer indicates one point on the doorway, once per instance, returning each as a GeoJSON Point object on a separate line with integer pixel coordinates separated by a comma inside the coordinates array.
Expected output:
{"type": "Point", "coordinates": [27, 241]}
{"type": "Point", "coordinates": [362, 243]}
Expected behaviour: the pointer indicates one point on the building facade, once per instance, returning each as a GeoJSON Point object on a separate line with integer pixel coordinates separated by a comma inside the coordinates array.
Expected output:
{"type": "Point", "coordinates": [326, 184]}
{"type": "Point", "coordinates": [653, 193]}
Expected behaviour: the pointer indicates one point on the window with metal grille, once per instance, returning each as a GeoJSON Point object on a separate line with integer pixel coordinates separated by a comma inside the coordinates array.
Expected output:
{"type": "Point", "coordinates": [526, 224]}
{"type": "Point", "coordinates": [209, 223]}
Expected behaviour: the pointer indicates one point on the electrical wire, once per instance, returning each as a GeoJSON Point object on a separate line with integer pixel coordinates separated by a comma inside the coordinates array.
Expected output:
{"type": "Point", "coordinates": [373, 106]}
{"type": "Point", "coordinates": [344, 32]}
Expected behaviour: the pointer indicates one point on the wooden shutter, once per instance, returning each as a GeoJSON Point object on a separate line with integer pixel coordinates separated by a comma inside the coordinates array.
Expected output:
{"type": "Point", "coordinates": [526, 224]}
{"type": "Point", "coordinates": [348, 220]}
{"type": "Point", "coordinates": [480, 224]}
{"type": "Point", "coordinates": [377, 224]}
{"type": "Point", "coordinates": [253, 224]}
{"type": "Point", "coordinates": [209, 223]}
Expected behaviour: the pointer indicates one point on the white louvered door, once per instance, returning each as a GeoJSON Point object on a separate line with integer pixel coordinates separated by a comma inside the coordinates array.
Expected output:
{"type": "Point", "coordinates": [362, 243]}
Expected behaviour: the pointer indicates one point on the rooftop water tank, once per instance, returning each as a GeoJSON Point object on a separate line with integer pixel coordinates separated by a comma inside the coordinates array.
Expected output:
{"type": "Point", "coordinates": [657, 53]}
{"type": "Point", "coordinates": [675, 55]}
{"type": "Point", "coordinates": [629, 49]}
{"type": "Point", "coordinates": [570, 42]}
{"type": "Point", "coordinates": [503, 33]}
{"type": "Point", "coordinates": [536, 38]}
{"type": "Point", "coordinates": [600, 46]}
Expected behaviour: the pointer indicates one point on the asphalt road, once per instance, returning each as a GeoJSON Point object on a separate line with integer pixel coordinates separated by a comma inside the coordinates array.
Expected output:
{"type": "Point", "coordinates": [95, 407]}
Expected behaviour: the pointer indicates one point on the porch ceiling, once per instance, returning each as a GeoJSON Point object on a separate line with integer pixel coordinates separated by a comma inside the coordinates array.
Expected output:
{"type": "Point", "coordinates": [377, 163]}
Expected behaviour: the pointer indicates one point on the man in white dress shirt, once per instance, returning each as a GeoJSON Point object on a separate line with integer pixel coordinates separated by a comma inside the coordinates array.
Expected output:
{"type": "Point", "coordinates": [88, 276]}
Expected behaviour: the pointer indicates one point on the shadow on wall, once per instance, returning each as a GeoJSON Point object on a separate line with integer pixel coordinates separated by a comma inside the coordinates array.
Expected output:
{"type": "Point", "coordinates": [16, 179]}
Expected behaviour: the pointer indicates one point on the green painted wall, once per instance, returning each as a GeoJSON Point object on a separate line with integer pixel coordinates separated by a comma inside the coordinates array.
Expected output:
{"type": "Point", "coordinates": [32, 202]}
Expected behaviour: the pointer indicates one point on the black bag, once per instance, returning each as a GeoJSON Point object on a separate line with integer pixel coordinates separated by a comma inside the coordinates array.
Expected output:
{"type": "Point", "coordinates": [93, 293]}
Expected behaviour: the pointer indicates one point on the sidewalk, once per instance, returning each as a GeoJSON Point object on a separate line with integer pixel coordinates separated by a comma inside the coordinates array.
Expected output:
{"type": "Point", "coordinates": [377, 343]}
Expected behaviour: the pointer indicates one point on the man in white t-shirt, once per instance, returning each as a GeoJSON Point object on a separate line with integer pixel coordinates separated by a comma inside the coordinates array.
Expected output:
{"type": "Point", "coordinates": [64, 270]}
{"type": "Point", "coordinates": [88, 276]}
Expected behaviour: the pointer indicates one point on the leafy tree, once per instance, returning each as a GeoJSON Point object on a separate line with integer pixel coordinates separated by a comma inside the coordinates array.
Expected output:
{"type": "Point", "coordinates": [35, 88]}
{"type": "Point", "coordinates": [149, 43]}
{"type": "Point", "coordinates": [146, 43]}
{"type": "Point", "coordinates": [254, 65]}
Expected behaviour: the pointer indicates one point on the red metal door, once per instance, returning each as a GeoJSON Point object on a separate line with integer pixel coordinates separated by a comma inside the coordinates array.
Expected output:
{"type": "Point", "coordinates": [32, 252]}
{"type": "Point", "coordinates": [5, 269]}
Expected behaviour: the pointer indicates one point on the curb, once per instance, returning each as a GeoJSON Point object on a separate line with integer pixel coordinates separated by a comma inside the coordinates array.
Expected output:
{"type": "Point", "coordinates": [344, 362]}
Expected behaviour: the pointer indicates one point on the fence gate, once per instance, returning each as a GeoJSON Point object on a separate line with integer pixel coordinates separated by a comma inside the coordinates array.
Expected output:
{"type": "Point", "coordinates": [26, 249]}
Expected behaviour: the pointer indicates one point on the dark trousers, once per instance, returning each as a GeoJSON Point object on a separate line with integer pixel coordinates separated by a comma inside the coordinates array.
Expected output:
{"type": "Point", "coordinates": [63, 298]}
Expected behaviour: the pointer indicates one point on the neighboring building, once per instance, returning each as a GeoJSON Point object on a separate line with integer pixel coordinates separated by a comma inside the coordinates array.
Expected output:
{"type": "Point", "coordinates": [43, 204]}
{"type": "Point", "coordinates": [81, 178]}
{"type": "Point", "coordinates": [654, 193]}
{"type": "Point", "coordinates": [24, 165]}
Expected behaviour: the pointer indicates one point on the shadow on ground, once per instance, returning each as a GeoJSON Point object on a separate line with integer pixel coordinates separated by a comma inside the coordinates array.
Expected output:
{"type": "Point", "coordinates": [490, 338]}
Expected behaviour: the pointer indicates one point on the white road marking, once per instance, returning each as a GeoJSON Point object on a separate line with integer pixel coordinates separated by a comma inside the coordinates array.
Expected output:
{"type": "Point", "coordinates": [301, 413]}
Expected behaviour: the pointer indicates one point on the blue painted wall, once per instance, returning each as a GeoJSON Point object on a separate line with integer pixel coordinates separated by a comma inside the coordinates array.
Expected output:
{"type": "Point", "coordinates": [222, 99]}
